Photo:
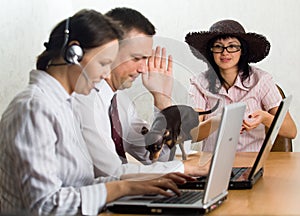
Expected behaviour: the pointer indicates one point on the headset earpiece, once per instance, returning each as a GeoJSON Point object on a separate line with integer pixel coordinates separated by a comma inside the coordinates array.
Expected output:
{"type": "Point", "coordinates": [73, 53]}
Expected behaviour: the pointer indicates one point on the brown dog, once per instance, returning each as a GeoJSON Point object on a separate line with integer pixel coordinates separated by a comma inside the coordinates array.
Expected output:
{"type": "Point", "coordinates": [170, 125]}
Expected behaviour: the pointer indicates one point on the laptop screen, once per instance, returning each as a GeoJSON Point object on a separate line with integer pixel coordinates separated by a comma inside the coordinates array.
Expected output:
{"type": "Point", "coordinates": [225, 148]}
{"type": "Point", "coordinates": [271, 135]}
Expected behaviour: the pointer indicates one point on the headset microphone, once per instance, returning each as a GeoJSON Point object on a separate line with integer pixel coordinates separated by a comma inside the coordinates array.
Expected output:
{"type": "Point", "coordinates": [76, 62]}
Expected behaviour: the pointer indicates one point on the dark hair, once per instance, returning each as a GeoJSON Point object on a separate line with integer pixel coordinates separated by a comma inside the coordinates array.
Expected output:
{"type": "Point", "coordinates": [213, 74]}
{"type": "Point", "coordinates": [89, 27]}
{"type": "Point", "coordinates": [131, 19]}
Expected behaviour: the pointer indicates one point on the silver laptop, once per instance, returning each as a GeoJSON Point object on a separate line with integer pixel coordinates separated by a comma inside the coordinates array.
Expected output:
{"type": "Point", "coordinates": [216, 188]}
{"type": "Point", "coordinates": [246, 177]}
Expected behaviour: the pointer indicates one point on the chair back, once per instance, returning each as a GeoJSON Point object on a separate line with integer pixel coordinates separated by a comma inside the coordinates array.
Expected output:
{"type": "Point", "coordinates": [282, 144]}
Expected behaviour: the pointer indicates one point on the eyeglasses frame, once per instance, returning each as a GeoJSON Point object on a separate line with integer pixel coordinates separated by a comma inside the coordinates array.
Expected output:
{"type": "Point", "coordinates": [223, 48]}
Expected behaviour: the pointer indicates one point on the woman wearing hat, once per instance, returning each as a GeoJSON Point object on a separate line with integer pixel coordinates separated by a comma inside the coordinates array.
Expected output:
{"type": "Point", "coordinates": [228, 50]}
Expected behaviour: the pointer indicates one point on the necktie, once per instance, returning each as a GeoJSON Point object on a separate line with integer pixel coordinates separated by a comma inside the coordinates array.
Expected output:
{"type": "Point", "coordinates": [116, 129]}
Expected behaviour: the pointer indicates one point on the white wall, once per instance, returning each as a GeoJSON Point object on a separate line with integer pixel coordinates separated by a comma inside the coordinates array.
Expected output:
{"type": "Point", "coordinates": [25, 26]}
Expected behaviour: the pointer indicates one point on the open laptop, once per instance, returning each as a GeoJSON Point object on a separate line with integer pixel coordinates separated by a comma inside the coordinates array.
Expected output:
{"type": "Point", "coordinates": [216, 189]}
{"type": "Point", "coordinates": [246, 177]}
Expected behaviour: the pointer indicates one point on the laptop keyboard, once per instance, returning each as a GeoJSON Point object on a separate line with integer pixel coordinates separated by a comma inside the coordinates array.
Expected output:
{"type": "Point", "coordinates": [187, 197]}
{"type": "Point", "coordinates": [237, 172]}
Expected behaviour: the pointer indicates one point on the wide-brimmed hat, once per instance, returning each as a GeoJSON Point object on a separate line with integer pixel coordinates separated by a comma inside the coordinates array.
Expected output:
{"type": "Point", "coordinates": [258, 45]}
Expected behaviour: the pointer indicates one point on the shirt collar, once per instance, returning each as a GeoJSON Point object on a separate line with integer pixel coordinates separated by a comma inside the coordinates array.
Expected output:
{"type": "Point", "coordinates": [238, 83]}
{"type": "Point", "coordinates": [105, 92]}
{"type": "Point", "coordinates": [49, 85]}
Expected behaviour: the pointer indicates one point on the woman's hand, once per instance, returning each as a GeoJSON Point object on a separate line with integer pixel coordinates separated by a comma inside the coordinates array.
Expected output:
{"type": "Point", "coordinates": [288, 128]}
{"type": "Point", "coordinates": [254, 119]}
{"type": "Point", "coordinates": [159, 185]}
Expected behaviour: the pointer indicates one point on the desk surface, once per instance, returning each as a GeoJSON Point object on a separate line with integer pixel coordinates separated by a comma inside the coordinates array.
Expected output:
{"type": "Point", "coordinates": [277, 193]}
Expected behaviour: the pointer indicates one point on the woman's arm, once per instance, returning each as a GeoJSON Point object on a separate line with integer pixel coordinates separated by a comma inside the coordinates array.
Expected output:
{"type": "Point", "coordinates": [137, 185]}
{"type": "Point", "coordinates": [205, 128]}
{"type": "Point", "coordinates": [288, 128]}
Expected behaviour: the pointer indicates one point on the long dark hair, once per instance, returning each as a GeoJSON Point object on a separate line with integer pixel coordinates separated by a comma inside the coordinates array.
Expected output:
{"type": "Point", "coordinates": [213, 74]}
{"type": "Point", "coordinates": [89, 27]}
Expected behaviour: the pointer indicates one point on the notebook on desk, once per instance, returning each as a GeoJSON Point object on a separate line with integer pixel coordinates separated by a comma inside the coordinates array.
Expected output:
{"type": "Point", "coordinates": [246, 177]}
{"type": "Point", "coordinates": [216, 189]}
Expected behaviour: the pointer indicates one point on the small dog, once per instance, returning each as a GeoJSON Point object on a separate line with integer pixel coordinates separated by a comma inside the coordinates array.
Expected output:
{"type": "Point", "coordinates": [170, 125]}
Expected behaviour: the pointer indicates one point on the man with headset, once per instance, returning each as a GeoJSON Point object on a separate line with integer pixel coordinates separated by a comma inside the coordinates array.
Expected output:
{"type": "Point", "coordinates": [135, 50]}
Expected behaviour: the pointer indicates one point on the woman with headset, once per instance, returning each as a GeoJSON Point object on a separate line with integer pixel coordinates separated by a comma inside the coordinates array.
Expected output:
{"type": "Point", "coordinates": [45, 166]}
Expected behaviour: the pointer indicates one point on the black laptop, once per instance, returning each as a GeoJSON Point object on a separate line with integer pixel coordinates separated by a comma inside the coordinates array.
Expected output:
{"type": "Point", "coordinates": [246, 177]}
{"type": "Point", "coordinates": [215, 191]}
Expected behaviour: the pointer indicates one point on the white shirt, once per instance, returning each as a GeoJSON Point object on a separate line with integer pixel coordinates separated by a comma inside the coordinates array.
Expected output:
{"type": "Point", "coordinates": [93, 111]}
{"type": "Point", "coordinates": [45, 166]}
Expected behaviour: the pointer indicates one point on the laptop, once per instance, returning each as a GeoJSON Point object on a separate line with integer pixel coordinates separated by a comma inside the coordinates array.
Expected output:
{"type": "Point", "coordinates": [216, 189]}
{"type": "Point", "coordinates": [246, 177]}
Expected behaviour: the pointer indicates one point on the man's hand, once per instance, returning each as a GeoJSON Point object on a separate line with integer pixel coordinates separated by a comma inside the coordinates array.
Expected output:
{"type": "Point", "coordinates": [159, 77]}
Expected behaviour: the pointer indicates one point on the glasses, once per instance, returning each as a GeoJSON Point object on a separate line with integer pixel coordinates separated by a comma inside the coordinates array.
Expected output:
{"type": "Point", "coordinates": [230, 48]}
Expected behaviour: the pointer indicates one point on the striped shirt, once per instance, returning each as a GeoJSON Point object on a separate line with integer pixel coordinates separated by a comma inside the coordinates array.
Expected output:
{"type": "Point", "coordinates": [45, 166]}
{"type": "Point", "coordinates": [258, 92]}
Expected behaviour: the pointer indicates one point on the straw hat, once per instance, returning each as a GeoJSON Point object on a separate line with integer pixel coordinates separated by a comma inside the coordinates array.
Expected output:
{"type": "Point", "coordinates": [258, 45]}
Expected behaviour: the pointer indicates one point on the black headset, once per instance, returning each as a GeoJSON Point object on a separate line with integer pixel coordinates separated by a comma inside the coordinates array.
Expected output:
{"type": "Point", "coordinates": [72, 54]}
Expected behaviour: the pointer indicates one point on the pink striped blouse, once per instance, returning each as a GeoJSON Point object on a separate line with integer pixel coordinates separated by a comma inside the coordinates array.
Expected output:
{"type": "Point", "coordinates": [259, 92]}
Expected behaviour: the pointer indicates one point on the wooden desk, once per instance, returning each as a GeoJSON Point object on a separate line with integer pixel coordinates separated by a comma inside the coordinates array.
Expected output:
{"type": "Point", "coordinates": [277, 193]}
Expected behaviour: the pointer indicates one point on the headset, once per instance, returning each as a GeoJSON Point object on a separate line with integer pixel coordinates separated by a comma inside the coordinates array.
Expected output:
{"type": "Point", "coordinates": [72, 54]}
